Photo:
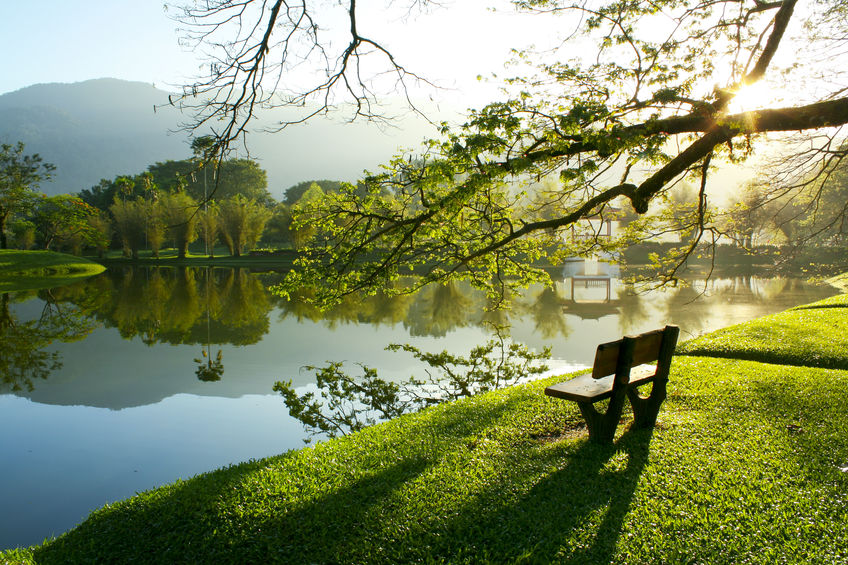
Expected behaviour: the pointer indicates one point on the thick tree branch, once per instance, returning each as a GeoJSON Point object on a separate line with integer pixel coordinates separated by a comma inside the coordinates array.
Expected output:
{"type": "Point", "coordinates": [830, 113]}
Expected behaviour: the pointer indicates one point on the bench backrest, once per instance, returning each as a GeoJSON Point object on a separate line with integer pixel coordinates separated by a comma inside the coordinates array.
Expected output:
{"type": "Point", "coordinates": [618, 357]}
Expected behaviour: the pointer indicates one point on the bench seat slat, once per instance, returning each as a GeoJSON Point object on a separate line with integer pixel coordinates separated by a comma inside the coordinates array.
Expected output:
{"type": "Point", "coordinates": [585, 388]}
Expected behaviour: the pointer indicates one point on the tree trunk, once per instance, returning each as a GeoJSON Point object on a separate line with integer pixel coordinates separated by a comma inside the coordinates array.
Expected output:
{"type": "Point", "coordinates": [3, 232]}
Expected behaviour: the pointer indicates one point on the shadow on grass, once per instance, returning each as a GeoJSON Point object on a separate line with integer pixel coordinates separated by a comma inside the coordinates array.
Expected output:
{"type": "Point", "coordinates": [824, 361]}
{"type": "Point", "coordinates": [560, 502]}
{"type": "Point", "coordinates": [315, 510]}
{"type": "Point", "coordinates": [447, 485]}
{"type": "Point", "coordinates": [574, 514]}
{"type": "Point", "coordinates": [186, 525]}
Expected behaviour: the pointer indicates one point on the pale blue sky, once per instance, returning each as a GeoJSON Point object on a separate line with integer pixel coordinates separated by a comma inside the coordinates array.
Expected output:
{"type": "Point", "coordinates": [66, 41]}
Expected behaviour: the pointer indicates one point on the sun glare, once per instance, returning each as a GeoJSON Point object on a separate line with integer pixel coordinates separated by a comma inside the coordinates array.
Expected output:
{"type": "Point", "coordinates": [752, 97]}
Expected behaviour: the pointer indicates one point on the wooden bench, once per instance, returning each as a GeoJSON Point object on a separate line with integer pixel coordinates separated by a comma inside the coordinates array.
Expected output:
{"type": "Point", "coordinates": [613, 376]}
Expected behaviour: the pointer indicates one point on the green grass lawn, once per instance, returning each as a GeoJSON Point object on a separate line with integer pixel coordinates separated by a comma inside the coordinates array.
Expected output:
{"type": "Point", "coordinates": [743, 467]}
{"type": "Point", "coordinates": [29, 270]}
{"type": "Point", "coordinates": [811, 335]}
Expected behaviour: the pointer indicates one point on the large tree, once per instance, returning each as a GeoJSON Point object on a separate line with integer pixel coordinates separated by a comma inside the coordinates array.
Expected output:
{"type": "Point", "coordinates": [131, 220]}
{"type": "Point", "coordinates": [621, 126]}
{"type": "Point", "coordinates": [179, 214]}
{"type": "Point", "coordinates": [66, 219]}
{"type": "Point", "coordinates": [20, 175]}
{"type": "Point", "coordinates": [214, 180]}
{"type": "Point", "coordinates": [242, 221]}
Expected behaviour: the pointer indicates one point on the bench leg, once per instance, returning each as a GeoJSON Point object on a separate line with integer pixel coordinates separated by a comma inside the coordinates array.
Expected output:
{"type": "Point", "coordinates": [602, 426]}
{"type": "Point", "coordinates": [645, 410]}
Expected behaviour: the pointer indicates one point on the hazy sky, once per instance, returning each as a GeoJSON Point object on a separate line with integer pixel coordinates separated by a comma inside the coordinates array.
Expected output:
{"type": "Point", "coordinates": [64, 41]}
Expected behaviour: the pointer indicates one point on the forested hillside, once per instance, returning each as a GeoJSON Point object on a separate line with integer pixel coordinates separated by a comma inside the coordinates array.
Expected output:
{"type": "Point", "coordinates": [105, 127]}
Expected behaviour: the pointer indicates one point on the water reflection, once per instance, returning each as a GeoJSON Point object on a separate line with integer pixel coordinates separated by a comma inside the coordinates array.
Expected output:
{"type": "Point", "coordinates": [218, 307]}
{"type": "Point", "coordinates": [25, 359]}
{"type": "Point", "coordinates": [184, 305]}
{"type": "Point", "coordinates": [207, 369]}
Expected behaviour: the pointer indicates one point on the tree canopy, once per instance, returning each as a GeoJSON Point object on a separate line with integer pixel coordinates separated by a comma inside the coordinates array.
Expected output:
{"type": "Point", "coordinates": [20, 175]}
{"type": "Point", "coordinates": [655, 102]}
{"type": "Point", "coordinates": [229, 178]}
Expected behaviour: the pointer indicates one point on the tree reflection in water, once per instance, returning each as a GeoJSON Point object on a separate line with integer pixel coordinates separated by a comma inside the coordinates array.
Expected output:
{"type": "Point", "coordinates": [209, 370]}
{"type": "Point", "coordinates": [547, 313]}
{"type": "Point", "coordinates": [343, 403]}
{"type": "Point", "coordinates": [213, 307]}
{"type": "Point", "coordinates": [25, 359]}
{"type": "Point", "coordinates": [157, 305]}
{"type": "Point", "coordinates": [441, 308]}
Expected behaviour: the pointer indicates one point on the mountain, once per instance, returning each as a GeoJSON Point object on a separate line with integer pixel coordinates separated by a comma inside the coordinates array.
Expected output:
{"type": "Point", "coordinates": [107, 127]}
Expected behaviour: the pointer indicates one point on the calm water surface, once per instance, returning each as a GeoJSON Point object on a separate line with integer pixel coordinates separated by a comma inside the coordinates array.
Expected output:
{"type": "Point", "coordinates": [114, 385]}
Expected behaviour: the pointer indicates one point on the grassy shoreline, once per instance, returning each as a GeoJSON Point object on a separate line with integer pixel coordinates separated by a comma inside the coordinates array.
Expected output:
{"type": "Point", "coordinates": [279, 260]}
{"type": "Point", "coordinates": [32, 270]}
{"type": "Point", "coordinates": [744, 466]}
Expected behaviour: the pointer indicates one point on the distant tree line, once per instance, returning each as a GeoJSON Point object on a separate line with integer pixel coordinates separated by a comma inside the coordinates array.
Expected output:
{"type": "Point", "coordinates": [170, 205]}
{"type": "Point", "coordinates": [176, 203]}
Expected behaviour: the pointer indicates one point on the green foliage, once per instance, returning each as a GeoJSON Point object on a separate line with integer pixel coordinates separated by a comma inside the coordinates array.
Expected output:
{"type": "Point", "coordinates": [278, 228]}
{"type": "Point", "coordinates": [354, 403]}
{"type": "Point", "coordinates": [218, 181]}
{"type": "Point", "coordinates": [351, 403]}
{"type": "Point", "coordinates": [123, 187]}
{"type": "Point", "coordinates": [242, 221]}
{"type": "Point", "coordinates": [498, 363]}
{"type": "Point", "coordinates": [67, 220]}
{"type": "Point", "coordinates": [20, 175]}
{"type": "Point", "coordinates": [294, 193]}
{"type": "Point", "coordinates": [23, 232]}
{"type": "Point", "coordinates": [622, 126]}
{"type": "Point", "coordinates": [179, 215]}
{"type": "Point", "coordinates": [131, 220]}
{"type": "Point", "coordinates": [209, 226]}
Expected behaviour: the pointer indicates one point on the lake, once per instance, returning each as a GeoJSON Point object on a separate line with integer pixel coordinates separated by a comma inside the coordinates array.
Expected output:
{"type": "Point", "coordinates": [115, 385]}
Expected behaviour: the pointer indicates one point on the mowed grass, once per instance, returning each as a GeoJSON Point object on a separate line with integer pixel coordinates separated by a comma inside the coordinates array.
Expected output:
{"type": "Point", "coordinates": [744, 466]}
{"type": "Point", "coordinates": [810, 335]}
{"type": "Point", "coordinates": [29, 270]}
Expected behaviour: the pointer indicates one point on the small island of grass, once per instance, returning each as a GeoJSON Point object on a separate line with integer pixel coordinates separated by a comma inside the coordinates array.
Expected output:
{"type": "Point", "coordinates": [30, 270]}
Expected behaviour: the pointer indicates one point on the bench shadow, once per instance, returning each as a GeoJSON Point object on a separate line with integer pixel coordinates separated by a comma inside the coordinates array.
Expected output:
{"type": "Point", "coordinates": [597, 478]}
{"type": "Point", "coordinates": [556, 520]}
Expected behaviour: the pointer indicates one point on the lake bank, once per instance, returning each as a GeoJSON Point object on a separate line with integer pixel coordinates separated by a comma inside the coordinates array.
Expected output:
{"type": "Point", "coordinates": [32, 270]}
{"type": "Point", "coordinates": [744, 464]}
{"type": "Point", "coordinates": [277, 260]}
